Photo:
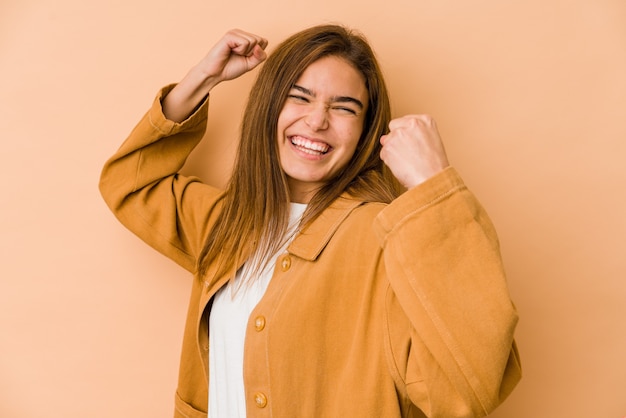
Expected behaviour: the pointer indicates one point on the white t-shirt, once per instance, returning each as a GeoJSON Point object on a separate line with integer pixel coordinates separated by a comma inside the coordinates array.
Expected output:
{"type": "Point", "coordinates": [227, 332]}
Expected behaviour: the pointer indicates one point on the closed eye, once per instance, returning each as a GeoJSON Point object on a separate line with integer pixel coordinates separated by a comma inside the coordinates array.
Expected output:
{"type": "Point", "coordinates": [343, 105]}
{"type": "Point", "coordinates": [298, 98]}
{"type": "Point", "coordinates": [344, 109]}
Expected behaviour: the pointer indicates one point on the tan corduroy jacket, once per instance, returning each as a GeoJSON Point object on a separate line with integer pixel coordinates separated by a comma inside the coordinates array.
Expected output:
{"type": "Point", "coordinates": [375, 310]}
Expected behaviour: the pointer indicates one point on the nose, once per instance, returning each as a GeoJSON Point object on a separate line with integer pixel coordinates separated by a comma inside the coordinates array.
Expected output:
{"type": "Point", "coordinates": [317, 117]}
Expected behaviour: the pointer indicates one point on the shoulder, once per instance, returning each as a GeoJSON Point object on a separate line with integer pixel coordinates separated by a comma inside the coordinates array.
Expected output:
{"type": "Point", "coordinates": [369, 209]}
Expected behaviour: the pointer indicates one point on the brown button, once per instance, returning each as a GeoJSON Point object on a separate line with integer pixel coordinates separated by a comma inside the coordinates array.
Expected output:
{"type": "Point", "coordinates": [259, 323]}
{"type": "Point", "coordinates": [260, 400]}
{"type": "Point", "coordinates": [286, 263]}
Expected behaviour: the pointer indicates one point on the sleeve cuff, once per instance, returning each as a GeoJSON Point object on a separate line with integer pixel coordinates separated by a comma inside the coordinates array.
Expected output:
{"type": "Point", "coordinates": [419, 198]}
{"type": "Point", "coordinates": [168, 127]}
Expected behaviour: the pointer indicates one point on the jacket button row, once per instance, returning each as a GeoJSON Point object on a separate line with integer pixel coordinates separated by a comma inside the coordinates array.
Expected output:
{"type": "Point", "coordinates": [259, 323]}
{"type": "Point", "coordinates": [286, 263]}
{"type": "Point", "coordinates": [260, 400]}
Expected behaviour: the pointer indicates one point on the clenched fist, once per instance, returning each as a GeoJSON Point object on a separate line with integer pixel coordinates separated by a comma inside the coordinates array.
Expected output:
{"type": "Point", "coordinates": [413, 149]}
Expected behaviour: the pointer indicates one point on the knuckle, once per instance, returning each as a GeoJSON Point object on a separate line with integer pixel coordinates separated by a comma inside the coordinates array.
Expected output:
{"type": "Point", "coordinates": [429, 120]}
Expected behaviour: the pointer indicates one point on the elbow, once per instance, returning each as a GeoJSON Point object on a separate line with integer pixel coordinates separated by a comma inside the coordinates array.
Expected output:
{"type": "Point", "coordinates": [449, 399]}
{"type": "Point", "coordinates": [110, 194]}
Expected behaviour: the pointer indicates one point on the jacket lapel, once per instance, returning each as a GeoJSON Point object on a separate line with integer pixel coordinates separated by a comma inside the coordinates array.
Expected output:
{"type": "Point", "coordinates": [310, 242]}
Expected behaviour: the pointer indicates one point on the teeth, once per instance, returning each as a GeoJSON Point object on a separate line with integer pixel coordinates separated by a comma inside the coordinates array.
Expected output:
{"type": "Point", "coordinates": [309, 146]}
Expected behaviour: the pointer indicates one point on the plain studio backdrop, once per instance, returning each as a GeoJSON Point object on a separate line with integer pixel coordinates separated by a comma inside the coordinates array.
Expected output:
{"type": "Point", "coordinates": [530, 98]}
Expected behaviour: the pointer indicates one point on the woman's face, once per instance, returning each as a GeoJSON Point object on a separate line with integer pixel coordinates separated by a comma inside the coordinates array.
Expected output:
{"type": "Point", "coordinates": [320, 125]}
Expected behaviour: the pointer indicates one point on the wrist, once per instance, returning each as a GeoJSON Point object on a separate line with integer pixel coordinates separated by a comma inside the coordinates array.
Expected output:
{"type": "Point", "coordinates": [199, 81]}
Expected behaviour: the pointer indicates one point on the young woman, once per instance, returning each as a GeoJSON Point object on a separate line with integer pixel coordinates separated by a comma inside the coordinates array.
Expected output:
{"type": "Point", "coordinates": [320, 290]}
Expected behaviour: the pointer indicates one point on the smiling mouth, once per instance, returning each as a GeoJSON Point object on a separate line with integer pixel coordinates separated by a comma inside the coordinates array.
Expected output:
{"type": "Point", "coordinates": [310, 147]}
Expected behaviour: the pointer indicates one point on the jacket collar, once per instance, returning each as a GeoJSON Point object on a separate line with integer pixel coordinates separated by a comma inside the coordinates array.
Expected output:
{"type": "Point", "coordinates": [309, 243]}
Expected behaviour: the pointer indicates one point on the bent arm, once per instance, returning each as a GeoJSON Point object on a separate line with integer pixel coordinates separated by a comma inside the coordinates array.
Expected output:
{"type": "Point", "coordinates": [141, 185]}
{"type": "Point", "coordinates": [446, 275]}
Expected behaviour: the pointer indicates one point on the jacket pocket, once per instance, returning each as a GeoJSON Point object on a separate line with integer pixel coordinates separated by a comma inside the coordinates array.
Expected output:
{"type": "Point", "coordinates": [184, 410]}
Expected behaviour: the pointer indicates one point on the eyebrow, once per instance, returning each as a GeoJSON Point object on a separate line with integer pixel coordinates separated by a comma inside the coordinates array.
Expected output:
{"type": "Point", "coordinates": [334, 99]}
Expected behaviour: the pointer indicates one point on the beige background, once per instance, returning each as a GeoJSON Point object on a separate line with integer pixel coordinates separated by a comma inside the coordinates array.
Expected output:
{"type": "Point", "coordinates": [530, 96]}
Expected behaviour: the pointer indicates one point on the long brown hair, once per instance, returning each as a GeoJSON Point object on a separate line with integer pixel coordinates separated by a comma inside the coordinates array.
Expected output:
{"type": "Point", "coordinates": [255, 212]}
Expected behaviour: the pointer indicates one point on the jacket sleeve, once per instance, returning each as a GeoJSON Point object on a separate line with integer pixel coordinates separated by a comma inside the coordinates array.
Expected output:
{"type": "Point", "coordinates": [141, 185]}
{"type": "Point", "coordinates": [456, 357]}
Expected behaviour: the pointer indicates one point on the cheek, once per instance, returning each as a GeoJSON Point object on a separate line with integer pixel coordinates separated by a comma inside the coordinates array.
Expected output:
{"type": "Point", "coordinates": [280, 123]}
{"type": "Point", "coordinates": [352, 134]}
{"type": "Point", "coordinates": [348, 151]}
{"type": "Point", "coordinates": [355, 132]}
{"type": "Point", "coordinates": [287, 116]}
